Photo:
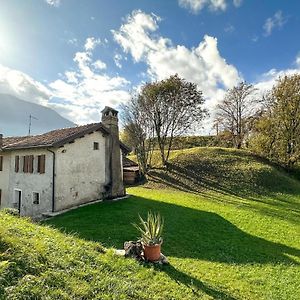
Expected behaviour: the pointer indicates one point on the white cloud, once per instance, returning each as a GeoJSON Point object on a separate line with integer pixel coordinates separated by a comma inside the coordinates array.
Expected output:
{"type": "Point", "coordinates": [54, 3]}
{"type": "Point", "coordinates": [237, 3]}
{"type": "Point", "coordinates": [202, 64]}
{"type": "Point", "coordinates": [86, 90]}
{"type": "Point", "coordinates": [229, 28]}
{"type": "Point", "coordinates": [117, 59]}
{"type": "Point", "coordinates": [100, 65]}
{"type": "Point", "coordinates": [73, 41]}
{"type": "Point", "coordinates": [78, 94]}
{"type": "Point", "coordinates": [196, 6]}
{"type": "Point", "coordinates": [71, 77]}
{"type": "Point", "coordinates": [91, 43]}
{"type": "Point", "coordinates": [21, 85]}
{"type": "Point", "coordinates": [297, 61]}
{"type": "Point", "coordinates": [267, 80]}
{"type": "Point", "coordinates": [277, 21]}
{"type": "Point", "coordinates": [134, 36]}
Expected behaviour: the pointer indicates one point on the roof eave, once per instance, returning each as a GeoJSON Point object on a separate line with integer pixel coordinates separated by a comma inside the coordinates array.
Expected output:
{"type": "Point", "coordinates": [98, 127]}
{"type": "Point", "coordinates": [26, 147]}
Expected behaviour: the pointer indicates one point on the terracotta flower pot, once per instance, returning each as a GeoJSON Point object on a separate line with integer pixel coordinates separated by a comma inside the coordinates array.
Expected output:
{"type": "Point", "coordinates": [152, 253]}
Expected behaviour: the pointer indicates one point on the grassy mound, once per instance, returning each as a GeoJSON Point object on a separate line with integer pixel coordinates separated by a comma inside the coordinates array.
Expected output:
{"type": "Point", "coordinates": [226, 170]}
{"type": "Point", "coordinates": [235, 176]}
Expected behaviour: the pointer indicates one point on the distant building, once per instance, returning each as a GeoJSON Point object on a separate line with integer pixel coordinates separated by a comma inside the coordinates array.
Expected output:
{"type": "Point", "coordinates": [131, 171]}
{"type": "Point", "coordinates": [62, 168]}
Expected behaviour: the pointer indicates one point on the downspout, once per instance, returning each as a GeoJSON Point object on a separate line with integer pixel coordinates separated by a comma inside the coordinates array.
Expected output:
{"type": "Point", "coordinates": [53, 180]}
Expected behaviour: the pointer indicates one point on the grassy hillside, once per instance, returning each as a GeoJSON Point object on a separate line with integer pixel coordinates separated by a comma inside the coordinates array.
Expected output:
{"type": "Point", "coordinates": [37, 262]}
{"type": "Point", "coordinates": [224, 169]}
{"type": "Point", "coordinates": [232, 176]}
{"type": "Point", "coordinates": [232, 231]}
{"type": "Point", "coordinates": [232, 227]}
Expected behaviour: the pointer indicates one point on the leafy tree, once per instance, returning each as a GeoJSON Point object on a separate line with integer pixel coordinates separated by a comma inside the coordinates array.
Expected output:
{"type": "Point", "coordinates": [235, 112]}
{"type": "Point", "coordinates": [173, 107]}
{"type": "Point", "coordinates": [277, 132]}
{"type": "Point", "coordinates": [161, 111]}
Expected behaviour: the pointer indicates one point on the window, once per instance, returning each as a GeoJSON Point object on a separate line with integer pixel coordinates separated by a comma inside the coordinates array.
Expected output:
{"type": "Point", "coordinates": [27, 164]}
{"type": "Point", "coordinates": [41, 164]}
{"type": "Point", "coordinates": [36, 198]}
{"type": "Point", "coordinates": [1, 163]}
{"type": "Point", "coordinates": [17, 163]}
{"type": "Point", "coordinates": [96, 146]}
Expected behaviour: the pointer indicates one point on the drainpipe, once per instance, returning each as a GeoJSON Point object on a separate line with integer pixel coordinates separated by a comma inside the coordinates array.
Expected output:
{"type": "Point", "coordinates": [53, 180]}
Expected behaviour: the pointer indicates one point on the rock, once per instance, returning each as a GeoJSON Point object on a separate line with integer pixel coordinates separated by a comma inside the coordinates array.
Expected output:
{"type": "Point", "coordinates": [163, 260]}
{"type": "Point", "coordinates": [134, 249]}
{"type": "Point", "coordinates": [120, 252]}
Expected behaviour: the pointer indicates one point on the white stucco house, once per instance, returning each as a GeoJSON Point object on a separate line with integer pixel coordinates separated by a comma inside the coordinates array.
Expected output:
{"type": "Point", "coordinates": [62, 168]}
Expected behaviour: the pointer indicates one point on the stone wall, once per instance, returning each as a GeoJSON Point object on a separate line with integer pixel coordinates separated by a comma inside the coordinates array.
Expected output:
{"type": "Point", "coordinates": [80, 171]}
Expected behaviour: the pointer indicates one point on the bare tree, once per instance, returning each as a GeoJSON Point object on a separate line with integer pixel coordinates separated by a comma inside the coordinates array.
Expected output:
{"type": "Point", "coordinates": [139, 131]}
{"type": "Point", "coordinates": [236, 110]}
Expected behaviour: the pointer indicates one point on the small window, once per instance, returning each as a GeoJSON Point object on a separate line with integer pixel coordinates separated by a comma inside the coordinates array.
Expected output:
{"type": "Point", "coordinates": [96, 146]}
{"type": "Point", "coordinates": [36, 198]}
{"type": "Point", "coordinates": [1, 163]}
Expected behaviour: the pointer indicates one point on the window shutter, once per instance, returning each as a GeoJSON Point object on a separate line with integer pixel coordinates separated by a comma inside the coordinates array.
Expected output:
{"type": "Point", "coordinates": [1, 163]}
{"type": "Point", "coordinates": [41, 164]}
{"type": "Point", "coordinates": [30, 163]}
{"type": "Point", "coordinates": [25, 164]}
{"type": "Point", "coordinates": [17, 163]}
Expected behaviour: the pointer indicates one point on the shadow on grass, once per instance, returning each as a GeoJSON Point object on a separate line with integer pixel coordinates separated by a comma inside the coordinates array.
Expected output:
{"type": "Point", "coordinates": [259, 190]}
{"type": "Point", "coordinates": [3, 247]}
{"type": "Point", "coordinates": [194, 284]}
{"type": "Point", "coordinates": [188, 233]}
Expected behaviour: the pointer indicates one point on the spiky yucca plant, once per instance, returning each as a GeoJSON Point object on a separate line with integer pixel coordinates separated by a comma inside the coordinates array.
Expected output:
{"type": "Point", "coordinates": [151, 229]}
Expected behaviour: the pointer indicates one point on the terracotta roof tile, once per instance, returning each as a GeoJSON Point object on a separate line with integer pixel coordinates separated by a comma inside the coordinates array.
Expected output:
{"type": "Point", "coordinates": [53, 138]}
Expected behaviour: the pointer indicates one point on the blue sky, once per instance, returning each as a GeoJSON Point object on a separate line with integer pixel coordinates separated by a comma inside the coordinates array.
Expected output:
{"type": "Point", "coordinates": [77, 56]}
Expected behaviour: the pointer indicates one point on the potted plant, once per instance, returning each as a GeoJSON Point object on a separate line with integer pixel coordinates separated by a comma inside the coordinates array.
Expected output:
{"type": "Point", "coordinates": [151, 230]}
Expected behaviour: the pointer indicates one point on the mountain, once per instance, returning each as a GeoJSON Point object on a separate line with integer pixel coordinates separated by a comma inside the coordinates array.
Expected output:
{"type": "Point", "coordinates": [14, 117]}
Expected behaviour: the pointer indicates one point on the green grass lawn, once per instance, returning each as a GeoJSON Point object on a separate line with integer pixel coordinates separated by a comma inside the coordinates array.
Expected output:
{"type": "Point", "coordinates": [232, 227]}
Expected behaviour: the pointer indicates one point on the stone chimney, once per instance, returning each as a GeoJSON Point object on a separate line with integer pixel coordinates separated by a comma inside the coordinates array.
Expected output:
{"type": "Point", "coordinates": [113, 153]}
{"type": "Point", "coordinates": [1, 141]}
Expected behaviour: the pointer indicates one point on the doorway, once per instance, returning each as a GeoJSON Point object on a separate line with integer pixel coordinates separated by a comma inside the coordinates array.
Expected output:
{"type": "Point", "coordinates": [18, 200]}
